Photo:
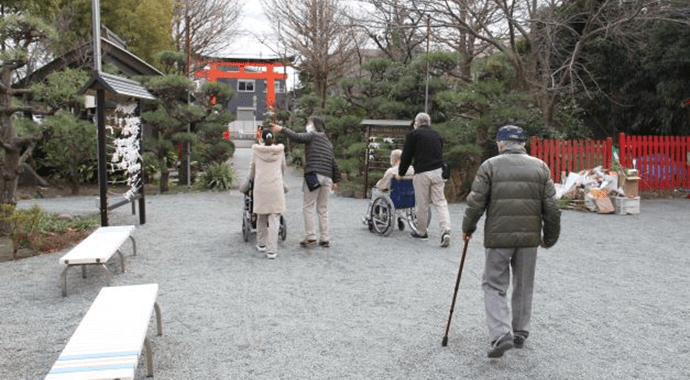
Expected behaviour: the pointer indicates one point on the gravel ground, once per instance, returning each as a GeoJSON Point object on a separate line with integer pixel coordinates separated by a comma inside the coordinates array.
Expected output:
{"type": "Point", "coordinates": [610, 299]}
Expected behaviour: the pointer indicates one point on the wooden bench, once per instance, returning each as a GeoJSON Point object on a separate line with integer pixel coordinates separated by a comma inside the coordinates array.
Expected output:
{"type": "Point", "coordinates": [108, 341]}
{"type": "Point", "coordinates": [97, 249]}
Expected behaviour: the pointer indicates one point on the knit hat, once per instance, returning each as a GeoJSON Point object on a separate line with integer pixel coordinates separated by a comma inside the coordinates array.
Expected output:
{"type": "Point", "coordinates": [510, 132]}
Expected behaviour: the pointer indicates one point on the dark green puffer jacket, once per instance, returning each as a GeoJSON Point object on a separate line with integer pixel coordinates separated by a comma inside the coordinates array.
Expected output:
{"type": "Point", "coordinates": [517, 193]}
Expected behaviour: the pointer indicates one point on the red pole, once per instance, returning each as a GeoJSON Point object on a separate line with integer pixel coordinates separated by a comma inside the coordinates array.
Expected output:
{"type": "Point", "coordinates": [570, 156]}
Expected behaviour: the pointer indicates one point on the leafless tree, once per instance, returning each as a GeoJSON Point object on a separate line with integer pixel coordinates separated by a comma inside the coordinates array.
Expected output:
{"type": "Point", "coordinates": [469, 27]}
{"type": "Point", "coordinates": [464, 26]}
{"type": "Point", "coordinates": [544, 39]}
{"type": "Point", "coordinates": [212, 25]}
{"type": "Point", "coordinates": [395, 27]}
{"type": "Point", "coordinates": [318, 32]}
{"type": "Point", "coordinates": [557, 35]}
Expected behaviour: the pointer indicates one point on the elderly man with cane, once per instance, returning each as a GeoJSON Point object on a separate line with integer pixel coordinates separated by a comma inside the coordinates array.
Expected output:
{"type": "Point", "coordinates": [517, 194]}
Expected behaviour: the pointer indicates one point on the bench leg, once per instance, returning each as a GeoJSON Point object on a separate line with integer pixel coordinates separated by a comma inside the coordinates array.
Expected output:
{"type": "Point", "coordinates": [83, 271]}
{"type": "Point", "coordinates": [108, 276]}
{"type": "Point", "coordinates": [134, 244]}
{"type": "Point", "coordinates": [159, 323]}
{"type": "Point", "coordinates": [149, 358]}
{"type": "Point", "coordinates": [63, 281]}
{"type": "Point", "coordinates": [122, 260]}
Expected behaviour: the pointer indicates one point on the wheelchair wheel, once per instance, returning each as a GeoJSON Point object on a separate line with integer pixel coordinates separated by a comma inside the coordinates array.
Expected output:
{"type": "Point", "coordinates": [411, 214]}
{"type": "Point", "coordinates": [282, 232]}
{"type": "Point", "coordinates": [246, 227]}
{"type": "Point", "coordinates": [382, 216]}
{"type": "Point", "coordinates": [401, 225]}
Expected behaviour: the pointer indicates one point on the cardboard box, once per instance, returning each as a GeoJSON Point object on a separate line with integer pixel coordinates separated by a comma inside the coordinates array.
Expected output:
{"type": "Point", "coordinates": [625, 205]}
{"type": "Point", "coordinates": [630, 186]}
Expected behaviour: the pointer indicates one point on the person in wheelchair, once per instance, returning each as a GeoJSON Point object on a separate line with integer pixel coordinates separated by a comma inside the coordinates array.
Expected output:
{"type": "Point", "coordinates": [266, 170]}
{"type": "Point", "coordinates": [383, 186]}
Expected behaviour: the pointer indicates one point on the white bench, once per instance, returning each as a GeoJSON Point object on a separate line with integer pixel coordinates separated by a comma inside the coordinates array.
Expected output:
{"type": "Point", "coordinates": [97, 249]}
{"type": "Point", "coordinates": [108, 341]}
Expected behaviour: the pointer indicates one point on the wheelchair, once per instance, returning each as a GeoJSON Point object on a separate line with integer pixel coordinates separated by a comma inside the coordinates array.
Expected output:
{"type": "Point", "coordinates": [396, 208]}
{"type": "Point", "coordinates": [249, 218]}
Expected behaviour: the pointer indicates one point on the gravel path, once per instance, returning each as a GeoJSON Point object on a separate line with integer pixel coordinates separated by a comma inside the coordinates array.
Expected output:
{"type": "Point", "coordinates": [610, 299]}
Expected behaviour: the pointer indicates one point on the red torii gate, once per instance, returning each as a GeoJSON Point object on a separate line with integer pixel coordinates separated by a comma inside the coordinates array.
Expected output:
{"type": "Point", "coordinates": [213, 73]}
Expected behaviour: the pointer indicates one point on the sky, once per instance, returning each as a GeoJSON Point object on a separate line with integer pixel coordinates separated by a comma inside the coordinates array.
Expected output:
{"type": "Point", "coordinates": [254, 23]}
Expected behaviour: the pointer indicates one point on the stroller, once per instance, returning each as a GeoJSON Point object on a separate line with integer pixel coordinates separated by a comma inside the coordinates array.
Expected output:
{"type": "Point", "coordinates": [249, 218]}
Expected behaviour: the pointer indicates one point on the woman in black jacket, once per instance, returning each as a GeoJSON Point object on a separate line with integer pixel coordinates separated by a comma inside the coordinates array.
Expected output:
{"type": "Point", "coordinates": [321, 175]}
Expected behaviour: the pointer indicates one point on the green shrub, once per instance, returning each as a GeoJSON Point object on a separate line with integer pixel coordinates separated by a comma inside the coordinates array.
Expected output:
{"type": "Point", "coordinates": [216, 177]}
{"type": "Point", "coordinates": [39, 231]}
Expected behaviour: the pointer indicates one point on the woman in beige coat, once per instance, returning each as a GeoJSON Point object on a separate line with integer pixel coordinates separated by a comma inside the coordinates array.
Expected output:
{"type": "Point", "coordinates": [267, 167]}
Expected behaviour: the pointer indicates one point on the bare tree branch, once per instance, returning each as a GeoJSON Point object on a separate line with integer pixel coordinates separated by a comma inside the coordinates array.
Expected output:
{"type": "Point", "coordinates": [319, 32]}
{"type": "Point", "coordinates": [12, 110]}
{"type": "Point", "coordinates": [396, 28]}
{"type": "Point", "coordinates": [212, 24]}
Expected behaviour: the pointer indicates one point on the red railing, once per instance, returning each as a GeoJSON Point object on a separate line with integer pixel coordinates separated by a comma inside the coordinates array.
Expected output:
{"type": "Point", "coordinates": [565, 156]}
{"type": "Point", "coordinates": [662, 161]}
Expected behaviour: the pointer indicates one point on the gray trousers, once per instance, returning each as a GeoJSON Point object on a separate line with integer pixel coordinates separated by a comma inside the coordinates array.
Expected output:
{"type": "Point", "coordinates": [498, 265]}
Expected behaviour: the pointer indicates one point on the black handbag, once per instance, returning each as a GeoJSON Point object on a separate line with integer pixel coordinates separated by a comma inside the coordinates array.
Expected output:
{"type": "Point", "coordinates": [445, 171]}
{"type": "Point", "coordinates": [312, 181]}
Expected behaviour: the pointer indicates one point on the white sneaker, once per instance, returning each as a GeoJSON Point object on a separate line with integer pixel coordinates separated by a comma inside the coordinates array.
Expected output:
{"type": "Point", "coordinates": [445, 239]}
{"type": "Point", "coordinates": [261, 247]}
{"type": "Point", "coordinates": [271, 255]}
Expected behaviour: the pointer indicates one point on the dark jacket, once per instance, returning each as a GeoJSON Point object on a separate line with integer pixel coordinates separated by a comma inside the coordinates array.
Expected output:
{"type": "Point", "coordinates": [423, 149]}
{"type": "Point", "coordinates": [517, 193]}
{"type": "Point", "coordinates": [318, 152]}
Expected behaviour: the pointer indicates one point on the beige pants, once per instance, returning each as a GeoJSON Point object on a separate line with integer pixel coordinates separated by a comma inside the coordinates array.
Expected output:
{"type": "Point", "coordinates": [428, 189]}
{"type": "Point", "coordinates": [317, 199]}
{"type": "Point", "coordinates": [267, 226]}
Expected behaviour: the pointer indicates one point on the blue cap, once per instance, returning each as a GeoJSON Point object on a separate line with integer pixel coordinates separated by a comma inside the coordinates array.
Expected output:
{"type": "Point", "coordinates": [510, 132]}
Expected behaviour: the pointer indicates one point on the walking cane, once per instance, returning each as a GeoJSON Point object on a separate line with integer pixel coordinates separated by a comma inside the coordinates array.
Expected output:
{"type": "Point", "coordinates": [455, 293]}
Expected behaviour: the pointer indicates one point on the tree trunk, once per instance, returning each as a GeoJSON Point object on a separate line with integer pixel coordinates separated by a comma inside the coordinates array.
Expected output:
{"type": "Point", "coordinates": [10, 177]}
{"type": "Point", "coordinates": [26, 168]}
{"type": "Point", "coordinates": [74, 179]}
{"type": "Point", "coordinates": [8, 182]}
{"type": "Point", "coordinates": [550, 111]}
{"type": "Point", "coordinates": [74, 185]}
{"type": "Point", "coordinates": [165, 177]}
{"type": "Point", "coordinates": [9, 170]}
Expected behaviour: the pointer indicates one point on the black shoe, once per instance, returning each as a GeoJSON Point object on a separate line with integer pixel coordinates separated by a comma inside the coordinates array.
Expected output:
{"type": "Point", "coordinates": [519, 339]}
{"type": "Point", "coordinates": [324, 243]}
{"type": "Point", "coordinates": [418, 236]}
{"type": "Point", "coordinates": [501, 345]}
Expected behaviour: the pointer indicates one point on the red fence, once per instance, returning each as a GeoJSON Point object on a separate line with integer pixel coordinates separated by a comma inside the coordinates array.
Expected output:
{"type": "Point", "coordinates": [572, 155]}
{"type": "Point", "coordinates": [662, 161]}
